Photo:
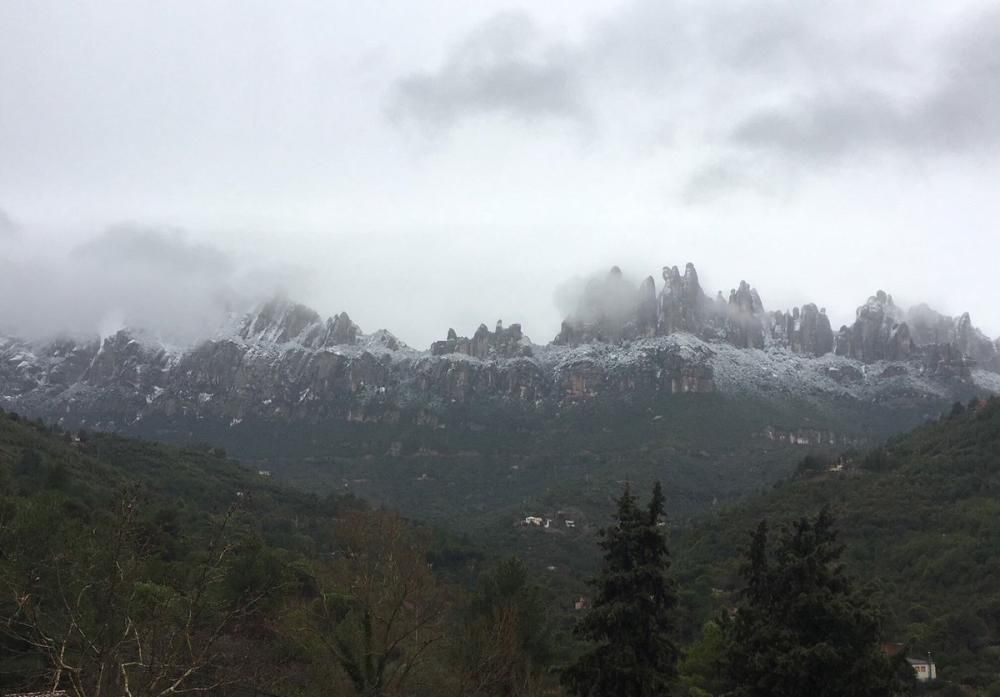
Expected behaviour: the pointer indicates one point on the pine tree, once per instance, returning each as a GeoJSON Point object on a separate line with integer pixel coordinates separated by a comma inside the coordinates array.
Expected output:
{"type": "Point", "coordinates": [631, 623]}
{"type": "Point", "coordinates": [802, 628]}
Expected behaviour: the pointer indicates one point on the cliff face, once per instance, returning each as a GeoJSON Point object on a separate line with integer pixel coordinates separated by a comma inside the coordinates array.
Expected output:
{"type": "Point", "coordinates": [625, 343]}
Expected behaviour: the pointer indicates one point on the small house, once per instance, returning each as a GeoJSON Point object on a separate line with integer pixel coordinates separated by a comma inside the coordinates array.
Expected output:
{"type": "Point", "coordinates": [924, 668]}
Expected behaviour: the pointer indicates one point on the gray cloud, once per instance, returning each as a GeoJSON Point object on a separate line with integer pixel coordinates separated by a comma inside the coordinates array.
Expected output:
{"type": "Point", "coordinates": [130, 245]}
{"type": "Point", "coordinates": [807, 84]}
{"type": "Point", "coordinates": [144, 277]}
{"type": "Point", "coordinates": [957, 114]}
{"type": "Point", "coordinates": [503, 67]}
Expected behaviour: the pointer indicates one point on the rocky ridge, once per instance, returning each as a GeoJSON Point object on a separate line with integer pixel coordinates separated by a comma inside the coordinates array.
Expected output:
{"type": "Point", "coordinates": [624, 342]}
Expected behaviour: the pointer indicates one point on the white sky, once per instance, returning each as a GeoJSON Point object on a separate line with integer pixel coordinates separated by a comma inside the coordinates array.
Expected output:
{"type": "Point", "coordinates": [442, 163]}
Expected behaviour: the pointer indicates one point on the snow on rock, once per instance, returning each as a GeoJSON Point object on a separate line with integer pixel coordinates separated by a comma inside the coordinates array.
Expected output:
{"type": "Point", "coordinates": [283, 360]}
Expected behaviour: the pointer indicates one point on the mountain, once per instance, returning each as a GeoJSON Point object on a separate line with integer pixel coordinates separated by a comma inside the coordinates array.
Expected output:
{"type": "Point", "coordinates": [666, 380]}
{"type": "Point", "coordinates": [920, 518]}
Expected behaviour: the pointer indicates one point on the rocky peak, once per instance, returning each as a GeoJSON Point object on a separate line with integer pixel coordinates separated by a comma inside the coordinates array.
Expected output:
{"type": "Point", "coordinates": [682, 304]}
{"type": "Point", "coordinates": [744, 317]}
{"type": "Point", "coordinates": [930, 328]}
{"type": "Point", "coordinates": [279, 321]}
{"type": "Point", "coordinates": [805, 331]}
{"type": "Point", "coordinates": [973, 343]}
{"type": "Point", "coordinates": [500, 343]}
{"type": "Point", "coordinates": [123, 357]}
{"type": "Point", "coordinates": [647, 307]}
{"type": "Point", "coordinates": [877, 334]}
{"type": "Point", "coordinates": [341, 330]}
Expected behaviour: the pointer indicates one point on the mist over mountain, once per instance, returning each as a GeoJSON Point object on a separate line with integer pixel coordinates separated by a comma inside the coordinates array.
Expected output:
{"type": "Point", "coordinates": [622, 343]}
{"type": "Point", "coordinates": [179, 286]}
{"type": "Point", "coordinates": [151, 279]}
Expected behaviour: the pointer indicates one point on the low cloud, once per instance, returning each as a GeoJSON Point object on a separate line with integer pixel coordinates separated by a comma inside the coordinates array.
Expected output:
{"type": "Point", "coordinates": [504, 68]}
{"type": "Point", "coordinates": [148, 278]}
{"type": "Point", "coordinates": [610, 298]}
{"type": "Point", "coordinates": [164, 249]}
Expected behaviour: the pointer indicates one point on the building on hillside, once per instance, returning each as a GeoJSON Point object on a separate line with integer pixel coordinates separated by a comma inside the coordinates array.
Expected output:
{"type": "Point", "coordinates": [924, 668]}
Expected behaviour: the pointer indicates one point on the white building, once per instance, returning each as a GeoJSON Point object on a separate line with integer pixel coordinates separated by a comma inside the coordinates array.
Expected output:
{"type": "Point", "coordinates": [924, 668]}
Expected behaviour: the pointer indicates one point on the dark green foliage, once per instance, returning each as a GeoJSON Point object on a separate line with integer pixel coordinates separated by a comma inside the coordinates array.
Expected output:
{"type": "Point", "coordinates": [176, 570]}
{"type": "Point", "coordinates": [632, 624]}
{"type": "Point", "coordinates": [921, 524]}
{"type": "Point", "coordinates": [813, 464]}
{"type": "Point", "coordinates": [701, 667]}
{"type": "Point", "coordinates": [506, 639]}
{"type": "Point", "coordinates": [801, 626]}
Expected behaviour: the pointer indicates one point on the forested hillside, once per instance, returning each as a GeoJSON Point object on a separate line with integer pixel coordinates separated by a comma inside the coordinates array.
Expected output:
{"type": "Point", "coordinates": [920, 518]}
{"type": "Point", "coordinates": [134, 568]}
{"type": "Point", "coordinates": [141, 568]}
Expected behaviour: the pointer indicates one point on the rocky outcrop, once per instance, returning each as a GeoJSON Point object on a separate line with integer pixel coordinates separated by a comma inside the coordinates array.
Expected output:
{"type": "Point", "coordinates": [806, 330]}
{"type": "Point", "coordinates": [279, 321]}
{"type": "Point", "coordinates": [744, 318]}
{"type": "Point", "coordinates": [612, 310]}
{"type": "Point", "coordinates": [501, 343]}
{"type": "Point", "coordinates": [940, 336]}
{"type": "Point", "coordinates": [647, 311]}
{"type": "Point", "coordinates": [877, 334]}
{"type": "Point", "coordinates": [972, 342]}
{"type": "Point", "coordinates": [682, 305]}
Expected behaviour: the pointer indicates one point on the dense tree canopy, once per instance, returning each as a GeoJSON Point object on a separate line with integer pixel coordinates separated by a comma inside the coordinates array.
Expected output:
{"type": "Point", "coordinates": [801, 626]}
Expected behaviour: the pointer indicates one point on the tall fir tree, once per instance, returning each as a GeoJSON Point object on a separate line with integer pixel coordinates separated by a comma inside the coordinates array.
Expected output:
{"type": "Point", "coordinates": [802, 628]}
{"type": "Point", "coordinates": [631, 623]}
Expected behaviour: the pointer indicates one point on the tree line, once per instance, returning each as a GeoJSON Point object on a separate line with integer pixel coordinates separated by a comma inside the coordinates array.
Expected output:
{"type": "Point", "coordinates": [800, 626]}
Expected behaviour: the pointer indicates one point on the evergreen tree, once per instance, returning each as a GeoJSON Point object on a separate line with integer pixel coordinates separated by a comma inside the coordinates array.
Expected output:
{"type": "Point", "coordinates": [802, 628]}
{"type": "Point", "coordinates": [631, 623]}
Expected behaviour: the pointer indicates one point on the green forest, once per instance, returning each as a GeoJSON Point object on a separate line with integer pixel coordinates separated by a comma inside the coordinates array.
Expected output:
{"type": "Point", "coordinates": [130, 567]}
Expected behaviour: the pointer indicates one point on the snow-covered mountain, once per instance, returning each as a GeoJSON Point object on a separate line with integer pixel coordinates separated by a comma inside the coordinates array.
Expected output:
{"type": "Point", "coordinates": [284, 363]}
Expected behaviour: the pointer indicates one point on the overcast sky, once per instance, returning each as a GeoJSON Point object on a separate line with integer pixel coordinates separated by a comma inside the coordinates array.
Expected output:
{"type": "Point", "coordinates": [431, 164]}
